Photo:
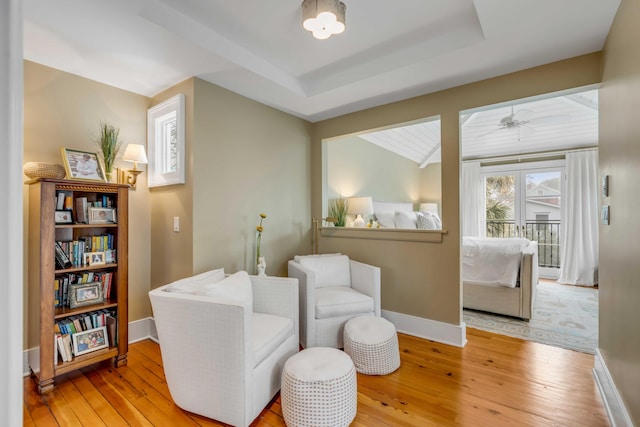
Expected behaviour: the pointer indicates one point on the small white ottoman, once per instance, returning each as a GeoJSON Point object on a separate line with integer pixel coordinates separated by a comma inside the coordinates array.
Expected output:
{"type": "Point", "coordinates": [372, 343]}
{"type": "Point", "coordinates": [319, 388]}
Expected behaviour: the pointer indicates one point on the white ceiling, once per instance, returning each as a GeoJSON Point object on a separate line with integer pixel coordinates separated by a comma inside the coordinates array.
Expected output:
{"type": "Point", "coordinates": [391, 50]}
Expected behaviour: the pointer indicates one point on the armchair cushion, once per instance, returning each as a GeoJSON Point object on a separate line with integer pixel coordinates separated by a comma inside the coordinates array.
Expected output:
{"type": "Point", "coordinates": [236, 287]}
{"type": "Point", "coordinates": [192, 284]}
{"type": "Point", "coordinates": [329, 270]}
{"type": "Point", "coordinates": [335, 301]}
{"type": "Point", "coordinates": [269, 332]}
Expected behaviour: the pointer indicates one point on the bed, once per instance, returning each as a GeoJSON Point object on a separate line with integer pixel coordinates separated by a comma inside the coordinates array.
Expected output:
{"type": "Point", "coordinates": [500, 275]}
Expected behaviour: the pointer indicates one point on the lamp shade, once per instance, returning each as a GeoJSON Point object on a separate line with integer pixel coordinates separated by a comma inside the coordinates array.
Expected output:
{"type": "Point", "coordinates": [135, 153]}
{"type": "Point", "coordinates": [429, 207]}
{"type": "Point", "coordinates": [360, 205]}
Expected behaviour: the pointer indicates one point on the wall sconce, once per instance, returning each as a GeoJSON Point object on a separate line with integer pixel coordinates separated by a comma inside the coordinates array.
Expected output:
{"type": "Point", "coordinates": [360, 206]}
{"type": "Point", "coordinates": [134, 153]}
{"type": "Point", "coordinates": [315, 230]}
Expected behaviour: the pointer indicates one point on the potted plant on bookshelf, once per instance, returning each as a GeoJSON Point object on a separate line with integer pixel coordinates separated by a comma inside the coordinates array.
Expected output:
{"type": "Point", "coordinates": [108, 139]}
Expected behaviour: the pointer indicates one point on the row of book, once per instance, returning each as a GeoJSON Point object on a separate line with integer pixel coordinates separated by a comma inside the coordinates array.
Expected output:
{"type": "Point", "coordinates": [64, 201]}
{"type": "Point", "coordinates": [84, 322]}
{"type": "Point", "coordinates": [62, 285]}
{"type": "Point", "coordinates": [74, 252]}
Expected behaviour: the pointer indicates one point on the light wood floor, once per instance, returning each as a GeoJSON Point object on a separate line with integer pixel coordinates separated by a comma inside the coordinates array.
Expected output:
{"type": "Point", "coordinates": [493, 381]}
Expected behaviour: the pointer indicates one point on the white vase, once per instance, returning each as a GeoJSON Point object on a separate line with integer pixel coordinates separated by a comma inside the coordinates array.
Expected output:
{"type": "Point", "coordinates": [262, 267]}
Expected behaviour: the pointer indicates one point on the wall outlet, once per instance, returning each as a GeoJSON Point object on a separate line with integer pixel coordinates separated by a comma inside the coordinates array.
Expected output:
{"type": "Point", "coordinates": [176, 224]}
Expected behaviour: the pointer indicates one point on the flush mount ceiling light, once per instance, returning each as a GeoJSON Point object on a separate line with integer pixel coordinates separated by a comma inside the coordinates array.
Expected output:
{"type": "Point", "coordinates": [323, 17]}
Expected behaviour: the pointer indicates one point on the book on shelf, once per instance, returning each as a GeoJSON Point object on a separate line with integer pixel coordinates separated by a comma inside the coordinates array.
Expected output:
{"type": "Point", "coordinates": [112, 330]}
{"type": "Point", "coordinates": [81, 210]}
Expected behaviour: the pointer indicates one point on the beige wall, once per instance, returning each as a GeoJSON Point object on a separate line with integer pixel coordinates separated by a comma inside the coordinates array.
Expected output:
{"type": "Point", "coordinates": [356, 167]}
{"type": "Point", "coordinates": [619, 157]}
{"type": "Point", "coordinates": [172, 252]}
{"type": "Point", "coordinates": [62, 110]}
{"type": "Point", "coordinates": [248, 159]}
{"type": "Point", "coordinates": [423, 279]}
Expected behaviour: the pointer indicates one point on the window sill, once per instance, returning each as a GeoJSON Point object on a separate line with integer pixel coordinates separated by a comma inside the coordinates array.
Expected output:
{"type": "Point", "coordinates": [429, 236]}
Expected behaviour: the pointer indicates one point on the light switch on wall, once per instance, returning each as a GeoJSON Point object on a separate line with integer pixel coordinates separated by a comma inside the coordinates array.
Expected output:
{"type": "Point", "coordinates": [604, 215]}
{"type": "Point", "coordinates": [176, 224]}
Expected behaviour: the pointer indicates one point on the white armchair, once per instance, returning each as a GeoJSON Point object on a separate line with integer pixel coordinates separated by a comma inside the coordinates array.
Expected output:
{"type": "Point", "coordinates": [224, 344]}
{"type": "Point", "coordinates": [333, 289]}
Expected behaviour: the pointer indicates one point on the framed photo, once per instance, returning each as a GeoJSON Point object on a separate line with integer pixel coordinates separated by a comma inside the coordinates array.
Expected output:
{"type": "Point", "coordinates": [90, 340]}
{"type": "Point", "coordinates": [63, 217]}
{"type": "Point", "coordinates": [82, 165]}
{"type": "Point", "coordinates": [62, 260]}
{"type": "Point", "coordinates": [102, 215]}
{"type": "Point", "coordinates": [85, 294]}
{"type": "Point", "coordinates": [94, 258]}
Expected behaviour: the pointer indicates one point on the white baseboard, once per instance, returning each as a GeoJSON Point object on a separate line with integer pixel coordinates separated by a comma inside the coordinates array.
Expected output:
{"type": "Point", "coordinates": [138, 330]}
{"type": "Point", "coordinates": [445, 333]}
{"type": "Point", "coordinates": [613, 404]}
{"type": "Point", "coordinates": [417, 326]}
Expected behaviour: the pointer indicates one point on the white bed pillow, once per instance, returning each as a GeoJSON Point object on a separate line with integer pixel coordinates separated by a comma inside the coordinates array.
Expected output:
{"type": "Point", "coordinates": [435, 217]}
{"type": "Point", "coordinates": [386, 219]}
{"type": "Point", "coordinates": [404, 219]}
{"type": "Point", "coordinates": [425, 222]}
{"type": "Point", "coordinates": [235, 287]}
{"type": "Point", "coordinates": [191, 284]}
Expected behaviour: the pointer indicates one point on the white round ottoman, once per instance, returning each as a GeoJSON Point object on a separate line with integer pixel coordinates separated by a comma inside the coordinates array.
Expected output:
{"type": "Point", "coordinates": [319, 388]}
{"type": "Point", "coordinates": [372, 343]}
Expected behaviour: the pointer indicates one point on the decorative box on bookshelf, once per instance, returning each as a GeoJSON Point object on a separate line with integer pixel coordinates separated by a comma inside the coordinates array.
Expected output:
{"type": "Point", "coordinates": [78, 272]}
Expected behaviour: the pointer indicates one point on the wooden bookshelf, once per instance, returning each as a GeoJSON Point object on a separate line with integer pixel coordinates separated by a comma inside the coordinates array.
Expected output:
{"type": "Point", "coordinates": [44, 232]}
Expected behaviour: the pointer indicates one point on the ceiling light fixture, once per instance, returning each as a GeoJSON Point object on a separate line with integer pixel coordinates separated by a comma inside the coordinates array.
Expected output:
{"type": "Point", "coordinates": [323, 17]}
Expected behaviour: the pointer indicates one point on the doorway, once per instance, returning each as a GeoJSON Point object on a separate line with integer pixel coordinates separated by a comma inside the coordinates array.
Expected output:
{"type": "Point", "coordinates": [525, 200]}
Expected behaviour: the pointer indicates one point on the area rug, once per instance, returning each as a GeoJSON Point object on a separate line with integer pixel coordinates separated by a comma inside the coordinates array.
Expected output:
{"type": "Point", "coordinates": [563, 316]}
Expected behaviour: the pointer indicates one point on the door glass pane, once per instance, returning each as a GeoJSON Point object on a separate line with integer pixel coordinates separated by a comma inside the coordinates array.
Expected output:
{"type": "Point", "coordinates": [500, 204]}
{"type": "Point", "coordinates": [542, 215]}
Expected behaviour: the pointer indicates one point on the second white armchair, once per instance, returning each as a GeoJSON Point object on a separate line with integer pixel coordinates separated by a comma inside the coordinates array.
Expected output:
{"type": "Point", "coordinates": [333, 289]}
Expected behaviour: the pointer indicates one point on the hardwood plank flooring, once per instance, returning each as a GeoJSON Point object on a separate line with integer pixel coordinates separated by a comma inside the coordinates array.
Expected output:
{"type": "Point", "coordinates": [494, 381]}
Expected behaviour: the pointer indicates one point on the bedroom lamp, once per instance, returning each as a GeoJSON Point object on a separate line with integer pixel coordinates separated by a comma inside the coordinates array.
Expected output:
{"type": "Point", "coordinates": [134, 153]}
{"type": "Point", "coordinates": [359, 206]}
{"type": "Point", "coordinates": [323, 17]}
{"type": "Point", "coordinates": [429, 207]}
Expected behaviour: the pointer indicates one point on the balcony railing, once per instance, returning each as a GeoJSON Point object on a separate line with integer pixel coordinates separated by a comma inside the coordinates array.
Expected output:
{"type": "Point", "coordinates": [547, 234]}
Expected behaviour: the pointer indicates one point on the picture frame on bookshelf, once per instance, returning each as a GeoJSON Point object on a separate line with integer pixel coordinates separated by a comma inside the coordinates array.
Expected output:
{"type": "Point", "coordinates": [62, 260]}
{"type": "Point", "coordinates": [90, 340]}
{"type": "Point", "coordinates": [82, 165]}
{"type": "Point", "coordinates": [102, 215]}
{"type": "Point", "coordinates": [82, 294]}
{"type": "Point", "coordinates": [63, 217]}
{"type": "Point", "coordinates": [94, 258]}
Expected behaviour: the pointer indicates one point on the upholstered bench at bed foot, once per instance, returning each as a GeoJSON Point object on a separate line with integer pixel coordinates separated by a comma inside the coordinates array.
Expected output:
{"type": "Point", "coordinates": [372, 343]}
{"type": "Point", "coordinates": [319, 389]}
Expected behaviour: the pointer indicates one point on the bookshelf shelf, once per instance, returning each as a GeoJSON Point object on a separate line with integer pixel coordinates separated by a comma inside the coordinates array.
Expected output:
{"type": "Point", "coordinates": [49, 310]}
{"type": "Point", "coordinates": [61, 313]}
{"type": "Point", "coordinates": [85, 360]}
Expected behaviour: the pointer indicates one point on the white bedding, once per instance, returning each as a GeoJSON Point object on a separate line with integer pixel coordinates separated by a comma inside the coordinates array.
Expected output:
{"type": "Point", "coordinates": [491, 261]}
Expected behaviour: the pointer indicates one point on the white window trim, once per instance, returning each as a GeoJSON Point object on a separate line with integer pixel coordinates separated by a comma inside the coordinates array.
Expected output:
{"type": "Point", "coordinates": [156, 145]}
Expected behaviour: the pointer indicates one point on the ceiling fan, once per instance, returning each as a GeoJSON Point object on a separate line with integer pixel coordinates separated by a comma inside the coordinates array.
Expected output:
{"type": "Point", "coordinates": [525, 119]}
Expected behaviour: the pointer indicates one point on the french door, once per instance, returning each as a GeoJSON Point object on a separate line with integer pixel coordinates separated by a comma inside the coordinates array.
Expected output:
{"type": "Point", "coordinates": [525, 200]}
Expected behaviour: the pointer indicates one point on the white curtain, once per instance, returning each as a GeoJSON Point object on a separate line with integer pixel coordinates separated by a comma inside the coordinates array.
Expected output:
{"type": "Point", "coordinates": [579, 257]}
{"type": "Point", "coordinates": [471, 201]}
